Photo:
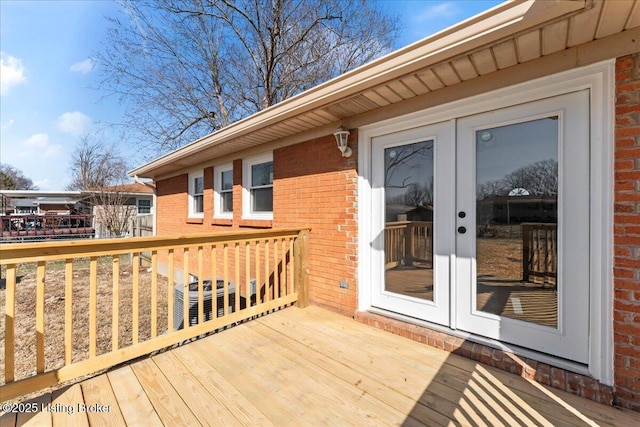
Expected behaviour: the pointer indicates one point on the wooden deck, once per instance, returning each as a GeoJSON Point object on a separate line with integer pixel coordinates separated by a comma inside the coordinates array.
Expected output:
{"type": "Point", "coordinates": [313, 367]}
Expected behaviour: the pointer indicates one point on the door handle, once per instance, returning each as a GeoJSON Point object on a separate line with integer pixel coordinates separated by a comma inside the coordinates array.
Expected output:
{"type": "Point", "coordinates": [462, 230]}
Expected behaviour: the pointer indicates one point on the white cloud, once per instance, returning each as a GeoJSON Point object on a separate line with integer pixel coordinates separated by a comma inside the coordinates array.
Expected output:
{"type": "Point", "coordinates": [75, 123]}
{"type": "Point", "coordinates": [39, 140]}
{"type": "Point", "coordinates": [436, 11]}
{"type": "Point", "coordinates": [53, 151]}
{"type": "Point", "coordinates": [40, 143]}
{"type": "Point", "coordinates": [11, 72]}
{"type": "Point", "coordinates": [83, 67]}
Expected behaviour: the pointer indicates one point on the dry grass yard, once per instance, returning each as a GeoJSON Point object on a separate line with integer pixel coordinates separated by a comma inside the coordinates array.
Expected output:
{"type": "Point", "coordinates": [500, 258]}
{"type": "Point", "coordinates": [25, 357]}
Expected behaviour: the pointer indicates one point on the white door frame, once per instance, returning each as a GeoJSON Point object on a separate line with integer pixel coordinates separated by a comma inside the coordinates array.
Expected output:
{"type": "Point", "coordinates": [599, 79]}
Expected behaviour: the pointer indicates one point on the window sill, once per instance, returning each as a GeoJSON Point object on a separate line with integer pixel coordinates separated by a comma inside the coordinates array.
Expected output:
{"type": "Point", "coordinates": [256, 223]}
{"type": "Point", "coordinates": [195, 220]}
{"type": "Point", "coordinates": [222, 221]}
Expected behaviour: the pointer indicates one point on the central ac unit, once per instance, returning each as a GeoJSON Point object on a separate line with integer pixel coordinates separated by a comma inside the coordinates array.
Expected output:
{"type": "Point", "coordinates": [178, 305]}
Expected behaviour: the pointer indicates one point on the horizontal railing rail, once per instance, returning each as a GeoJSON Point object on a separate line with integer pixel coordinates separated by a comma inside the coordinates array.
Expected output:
{"type": "Point", "coordinates": [76, 308]}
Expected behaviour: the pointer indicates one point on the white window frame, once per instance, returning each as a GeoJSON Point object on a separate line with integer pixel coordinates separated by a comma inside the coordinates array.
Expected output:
{"type": "Point", "coordinates": [218, 193]}
{"type": "Point", "coordinates": [192, 178]}
{"type": "Point", "coordinates": [138, 200]}
{"type": "Point", "coordinates": [247, 163]}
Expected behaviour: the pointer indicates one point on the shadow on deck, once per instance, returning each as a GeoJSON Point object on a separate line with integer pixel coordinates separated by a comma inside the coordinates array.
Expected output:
{"type": "Point", "coordinates": [312, 367]}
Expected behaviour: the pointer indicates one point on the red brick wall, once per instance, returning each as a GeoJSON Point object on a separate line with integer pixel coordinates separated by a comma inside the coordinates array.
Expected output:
{"type": "Point", "coordinates": [314, 186]}
{"type": "Point", "coordinates": [626, 322]}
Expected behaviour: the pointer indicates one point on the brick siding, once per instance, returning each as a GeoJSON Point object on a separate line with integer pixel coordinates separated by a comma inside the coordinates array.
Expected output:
{"type": "Point", "coordinates": [315, 187]}
{"type": "Point", "coordinates": [626, 266]}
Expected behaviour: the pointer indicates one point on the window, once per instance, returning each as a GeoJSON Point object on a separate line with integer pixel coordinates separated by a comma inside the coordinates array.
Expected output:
{"type": "Point", "coordinates": [223, 188]}
{"type": "Point", "coordinates": [144, 206]}
{"type": "Point", "coordinates": [258, 187]}
{"type": "Point", "coordinates": [196, 194]}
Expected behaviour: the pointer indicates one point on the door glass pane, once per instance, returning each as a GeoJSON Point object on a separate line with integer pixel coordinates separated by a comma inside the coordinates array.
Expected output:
{"type": "Point", "coordinates": [517, 220]}
{"type": "Point", "coordinates": [408, 235]}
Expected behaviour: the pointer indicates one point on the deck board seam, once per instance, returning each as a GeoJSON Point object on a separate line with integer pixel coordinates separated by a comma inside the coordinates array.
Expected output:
{"type": "Point", "coordinates": [348, 365]}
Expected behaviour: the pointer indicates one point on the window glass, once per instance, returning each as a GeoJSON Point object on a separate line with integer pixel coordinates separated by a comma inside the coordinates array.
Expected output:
{"type": "Point", "coordinates": [198, 196]}
{"type": "Point", "coordinates": [226, 194]}
{"type": "Point", "coordinates": [198, 185]}
{"type": "Point", "coordinates": [262, 199]}
{"type": "Point", "coordinates": [144, 206]}
{"type": "Point", "coordinates": [227, 180]}
{"type": "Point", "coordinates": [262, 174]}
{"type": "Point", "coordinates": [517, 244]}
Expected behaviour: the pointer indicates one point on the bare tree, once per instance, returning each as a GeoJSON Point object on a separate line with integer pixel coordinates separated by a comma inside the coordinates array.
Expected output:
{"type": "Point", "coordinates": [99, 171]}
{"type": "Point", "coordinates": [419, 195]}
{"type": "Point", "coordinates": [188, 67]}
{"type": "Point", "coordinates": [405, 159]}
{"type": "Point", "coordinates": [13, 179]}
{"type": "Point", "coordinates": [539, 178]}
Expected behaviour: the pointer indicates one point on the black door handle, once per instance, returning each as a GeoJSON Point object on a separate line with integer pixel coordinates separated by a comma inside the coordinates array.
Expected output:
{"type": "Point", "coordinates": [462, 230]}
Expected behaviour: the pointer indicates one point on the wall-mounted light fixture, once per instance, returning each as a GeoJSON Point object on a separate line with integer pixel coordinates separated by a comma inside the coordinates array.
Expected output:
{"type": "Point", "coordinates": [342, 135]}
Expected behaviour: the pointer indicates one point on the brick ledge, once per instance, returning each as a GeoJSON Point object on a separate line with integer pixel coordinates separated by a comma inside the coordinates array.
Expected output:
{"type": "Point", "coordinates": [542, 373]}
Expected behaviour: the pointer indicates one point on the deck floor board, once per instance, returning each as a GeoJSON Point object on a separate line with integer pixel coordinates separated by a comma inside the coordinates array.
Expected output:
{"type": "Point", "coordinates": [314, 367]}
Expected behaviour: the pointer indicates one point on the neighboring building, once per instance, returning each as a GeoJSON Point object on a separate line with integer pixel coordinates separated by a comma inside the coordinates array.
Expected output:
{"type": "Point", "coordinates": [41, 202]}
{"type": "Point", "coordinates": [69, 212]}
{"type": "Point", "coordinates": [119, 204]}
{"type": "Point", "coordinates": [522, 84]}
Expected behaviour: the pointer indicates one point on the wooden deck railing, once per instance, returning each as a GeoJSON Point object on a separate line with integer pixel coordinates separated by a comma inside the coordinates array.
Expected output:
{"type": "Point", "coordinates": [408, 242]}
{"type": "Point", "coordinates": [539, 252]}
{"type": "Point", "coordinates": [107, 309]}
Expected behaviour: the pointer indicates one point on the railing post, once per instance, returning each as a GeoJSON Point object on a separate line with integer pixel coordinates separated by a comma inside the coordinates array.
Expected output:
{"type": "Point", "coordinates": [10, 323]}
{"type": "Point", "coordinates": [301, 260]}
{"type": "Point", "coordinates": [408, 244]}
{"type": "Point", "coordinates": [526, 238]}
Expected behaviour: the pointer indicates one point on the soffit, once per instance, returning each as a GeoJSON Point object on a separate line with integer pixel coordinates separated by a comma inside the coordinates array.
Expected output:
{"type": "Point", "coordinates": [408, 74]}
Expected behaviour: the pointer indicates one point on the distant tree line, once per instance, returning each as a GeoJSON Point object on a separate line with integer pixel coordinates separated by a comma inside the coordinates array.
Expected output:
{"type": "Point", "coordinates": [13, 179]}
{"type": "Point", "coordinates": [539, 178]}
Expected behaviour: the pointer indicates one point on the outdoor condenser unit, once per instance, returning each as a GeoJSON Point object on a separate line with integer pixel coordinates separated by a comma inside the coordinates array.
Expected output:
{"type": "Point", "coordinates": [178, 305]}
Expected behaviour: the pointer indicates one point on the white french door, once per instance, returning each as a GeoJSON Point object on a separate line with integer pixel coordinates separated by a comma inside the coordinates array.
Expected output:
{"type": "Point", "coordinates": [522, 269]}
{"type": "Point", "coordinates": [412, 197]}
{"type": "Point", "coordinates": [481, 223]}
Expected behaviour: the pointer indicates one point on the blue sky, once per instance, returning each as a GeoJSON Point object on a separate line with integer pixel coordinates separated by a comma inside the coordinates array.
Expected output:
{"type": "Point", "coordinates": [47, 102]}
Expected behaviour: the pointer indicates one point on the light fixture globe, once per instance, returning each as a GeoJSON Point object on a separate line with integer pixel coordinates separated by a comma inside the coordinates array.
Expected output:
{"type": "Point", "coordinates": [342, 136]}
